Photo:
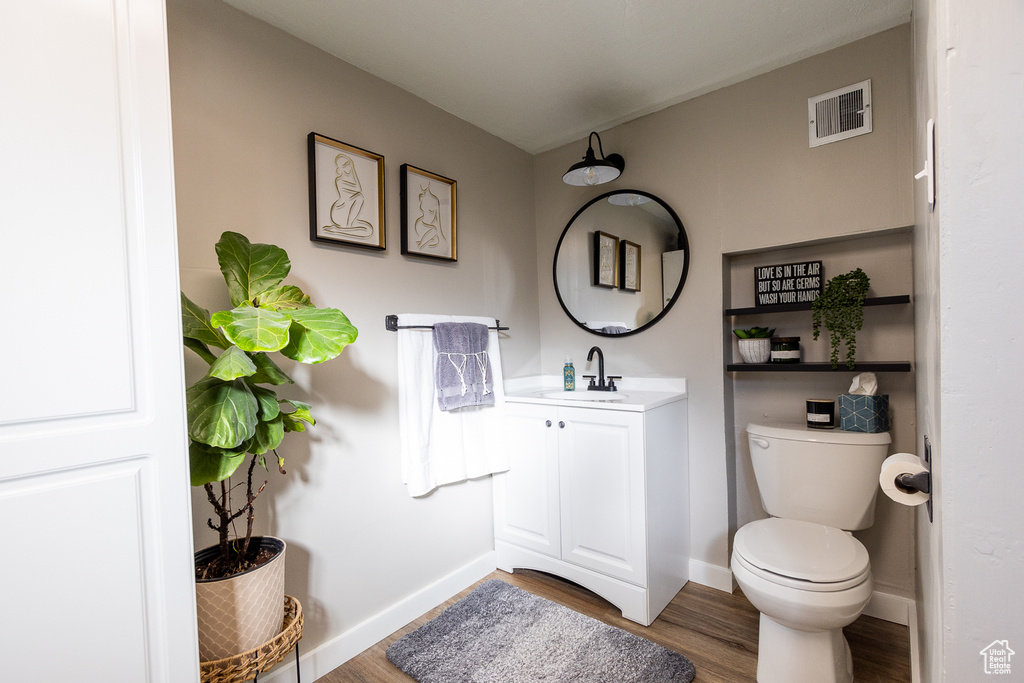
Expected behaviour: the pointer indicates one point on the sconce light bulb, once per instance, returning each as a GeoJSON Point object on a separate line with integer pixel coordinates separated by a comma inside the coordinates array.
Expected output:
{"type": "Point", "coordinates": [589, 177]}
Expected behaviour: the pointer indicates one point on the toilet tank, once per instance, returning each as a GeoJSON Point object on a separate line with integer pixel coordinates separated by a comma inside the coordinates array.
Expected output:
{"type": "Point", "coordinates": [825, 476]}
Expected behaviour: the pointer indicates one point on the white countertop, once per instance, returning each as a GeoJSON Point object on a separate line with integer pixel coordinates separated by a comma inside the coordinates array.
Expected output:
{"type": "Point", "coordinates": [636, 394]}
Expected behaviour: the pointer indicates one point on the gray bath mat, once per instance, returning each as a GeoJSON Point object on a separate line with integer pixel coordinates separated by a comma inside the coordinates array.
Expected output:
{"type": "Point", "coordinates": [501, 634]}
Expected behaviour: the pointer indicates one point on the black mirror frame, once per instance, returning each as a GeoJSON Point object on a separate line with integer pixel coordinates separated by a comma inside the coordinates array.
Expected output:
{"type": "Point", "coordinates": [683, 243]}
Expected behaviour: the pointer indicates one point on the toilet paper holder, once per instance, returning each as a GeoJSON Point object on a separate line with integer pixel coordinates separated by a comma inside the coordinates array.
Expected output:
{"type": "Point", "coordinates": [922, 481]}
{"type": "Point", "coordinates": [912, 483]}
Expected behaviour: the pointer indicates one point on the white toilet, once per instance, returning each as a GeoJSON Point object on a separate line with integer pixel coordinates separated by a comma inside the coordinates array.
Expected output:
{"type": "Point", "coordinates": [801, 568]}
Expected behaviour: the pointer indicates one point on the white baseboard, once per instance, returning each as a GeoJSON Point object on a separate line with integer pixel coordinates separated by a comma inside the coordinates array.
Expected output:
{"type": "Point", "coordinates": [894, 608]}
{"type": "Point", "coordinates": [335, 652]}
{"type": "Point", "coordinates": [915, 647]}
{"type": "Point", "coordinates": [712, 575]}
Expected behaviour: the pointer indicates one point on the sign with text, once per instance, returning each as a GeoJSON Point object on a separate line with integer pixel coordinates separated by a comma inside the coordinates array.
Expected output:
{"type": "Point", "coordinates": [792, 283]}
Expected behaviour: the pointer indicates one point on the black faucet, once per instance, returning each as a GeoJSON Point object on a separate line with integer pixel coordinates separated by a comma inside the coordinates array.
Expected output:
{"type": "Point", "coordinates": [601, 385]}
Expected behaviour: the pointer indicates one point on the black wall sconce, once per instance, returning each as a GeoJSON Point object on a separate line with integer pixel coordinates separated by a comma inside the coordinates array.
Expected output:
{"type": "Point", "coordinates": [594, 171]}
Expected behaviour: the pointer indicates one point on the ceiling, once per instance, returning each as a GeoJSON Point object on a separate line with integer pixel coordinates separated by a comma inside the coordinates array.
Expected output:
{"type": "Point", "coordinates": [542, 73]}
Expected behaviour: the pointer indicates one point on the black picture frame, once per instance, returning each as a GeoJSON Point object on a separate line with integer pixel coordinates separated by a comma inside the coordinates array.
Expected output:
{"type": "Point", "coordinates": [606, 259]}
{"type": "Point", "coordinates": [346, 194]}
{"type": "Point", "coordinates": [429, 214]}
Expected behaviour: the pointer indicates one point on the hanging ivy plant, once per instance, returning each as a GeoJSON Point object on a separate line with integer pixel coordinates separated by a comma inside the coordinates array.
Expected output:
{"type": "Point", "coordinates": [840, 308]}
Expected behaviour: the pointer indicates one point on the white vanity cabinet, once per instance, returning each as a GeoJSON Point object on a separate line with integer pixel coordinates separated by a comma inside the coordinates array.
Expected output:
{"type": "Point", "coordinates": [598, 494]}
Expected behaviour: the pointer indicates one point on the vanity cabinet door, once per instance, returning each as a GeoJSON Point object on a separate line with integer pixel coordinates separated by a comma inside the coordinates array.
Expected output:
{"type": "Point", "coordinates": [526, 497]}
{"type": "Point", "coordinates": [601, 469]}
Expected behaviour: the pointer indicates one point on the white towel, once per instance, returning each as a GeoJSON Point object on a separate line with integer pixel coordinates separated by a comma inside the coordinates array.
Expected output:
{"type": "Point", "coordinates": [442, 447]}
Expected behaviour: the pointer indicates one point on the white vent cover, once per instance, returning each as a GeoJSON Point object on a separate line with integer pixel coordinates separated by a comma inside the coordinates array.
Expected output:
{"type": "Point", "coordinates": [839, 114]}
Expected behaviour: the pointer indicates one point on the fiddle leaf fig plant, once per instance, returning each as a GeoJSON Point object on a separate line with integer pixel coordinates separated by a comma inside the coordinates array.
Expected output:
{"type": "Point", "coordinates": [840, 309]}
{"type": "Point", "coordinates": [232, 415]}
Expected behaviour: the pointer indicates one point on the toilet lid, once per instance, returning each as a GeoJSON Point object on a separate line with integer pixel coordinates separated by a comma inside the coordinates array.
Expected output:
{"type": "Point", "coordinates": [801, 550]}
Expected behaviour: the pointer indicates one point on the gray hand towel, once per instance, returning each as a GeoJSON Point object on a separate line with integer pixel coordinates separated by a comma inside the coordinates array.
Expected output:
{"type": "Point", "coordinates": [462, 375]}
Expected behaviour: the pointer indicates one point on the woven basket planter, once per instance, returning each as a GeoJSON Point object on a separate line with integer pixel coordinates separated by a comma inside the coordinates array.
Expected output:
{"type": "Point", "coordinates": [245, 666]}
{"type": "Point", "coordinates": [241, 612]}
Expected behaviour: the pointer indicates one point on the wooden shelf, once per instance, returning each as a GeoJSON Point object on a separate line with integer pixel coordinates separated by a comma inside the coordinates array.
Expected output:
{"type": "Point", "coordinates": [787, 308]}
{"type": "Point", "coordinates": [884, 366]}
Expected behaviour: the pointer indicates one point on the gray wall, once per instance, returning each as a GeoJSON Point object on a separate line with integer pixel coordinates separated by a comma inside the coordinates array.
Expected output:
{"type": "Point", "coordinates": [244, 96]}
{"type": "Point", "coordinates": [736, 166]}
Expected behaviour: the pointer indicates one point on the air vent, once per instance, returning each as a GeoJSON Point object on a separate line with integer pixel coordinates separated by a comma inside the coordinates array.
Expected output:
{"type": "Point", "coordinates": [839, 114]}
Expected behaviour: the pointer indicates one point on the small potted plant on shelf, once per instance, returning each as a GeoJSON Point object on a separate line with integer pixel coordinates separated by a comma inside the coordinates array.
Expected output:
{"type": "Point", "coordinates": [755, 343]}
{"type": "Point", "coordinates": [840, 309]}
{"type": "Point", "coordinates": [234, 417]}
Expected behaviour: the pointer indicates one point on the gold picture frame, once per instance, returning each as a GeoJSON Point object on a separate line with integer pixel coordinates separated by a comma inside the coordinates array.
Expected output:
{"type": "Point", "coordinates": [629, 266]}
{"type": "Point", "coordinates": [429, 214]}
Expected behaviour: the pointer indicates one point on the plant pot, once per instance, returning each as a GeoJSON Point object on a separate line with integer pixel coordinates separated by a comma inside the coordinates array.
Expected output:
{"type": "Point", "coordinates": [240, 612]}
{"type": "Point", "coordinates": [756, 350]}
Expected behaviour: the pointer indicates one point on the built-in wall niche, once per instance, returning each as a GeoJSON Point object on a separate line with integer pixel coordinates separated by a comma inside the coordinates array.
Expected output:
{"type": "Point", "coordinates": [885, 344]}
{"type": "Point", "coordinates": [779, 397]}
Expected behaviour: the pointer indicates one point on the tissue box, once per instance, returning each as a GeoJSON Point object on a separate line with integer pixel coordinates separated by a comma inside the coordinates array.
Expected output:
{"type": "Point", "coordinates": [859, 413]}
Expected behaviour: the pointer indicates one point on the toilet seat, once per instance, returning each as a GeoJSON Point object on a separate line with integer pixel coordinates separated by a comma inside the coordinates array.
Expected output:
{"type": "Point", "coordinates": [802, 555]}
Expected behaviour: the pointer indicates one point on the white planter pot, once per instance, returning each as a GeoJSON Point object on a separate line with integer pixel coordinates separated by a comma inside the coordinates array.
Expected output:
{"type": "Point", "coordinates": [243, 611]}
{"type": "Point", "coordinates": [756, 350]}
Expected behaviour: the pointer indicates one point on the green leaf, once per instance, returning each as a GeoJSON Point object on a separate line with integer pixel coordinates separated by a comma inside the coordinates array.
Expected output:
{"type": "Point", "coordinates": [754, 332]}
{"type": "Point", "coordinates": [267, 400]}
{"type": "Point", "coordinates": [285, 296]}
{"type": "Point", "coordinates": [267, 437]}
{"type": "Point", "coordinates": [318, 334]}
{"type": "Point", "coordinates": [221, 414]}
{"type": "Point", "coordinates": [254, 329]}
{"type": "Point", "coordinates": [201, 349]}
{"type": "Point", "coordinates": [267, 371]}
{"type": "Point", "coordinates": [232, 364]}
{"type": "Point", "coordinates": [250, 269]}
{"type": "Point", "coordinates": [840, 309]}
{"type": "Point", "coordinates": [207, 465]}
{"type": "Point", "coordinates": [295, 420]}
{"type": "Point", "coordinates": [195, 324]}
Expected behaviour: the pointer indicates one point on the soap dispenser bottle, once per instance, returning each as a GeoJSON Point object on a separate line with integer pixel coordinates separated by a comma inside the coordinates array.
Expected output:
{"type": "Point", "coordinates": [569, 375]}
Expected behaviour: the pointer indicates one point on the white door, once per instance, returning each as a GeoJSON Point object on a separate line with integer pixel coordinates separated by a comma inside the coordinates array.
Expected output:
{"type": "Point", "coordinates": [526, 497]}
{"type": "Point", "coordinates": [95, 578]}
{"type": "Point", "coordinates": [601, 455]}
{"type": "Point", "coordinates": [967, 260]}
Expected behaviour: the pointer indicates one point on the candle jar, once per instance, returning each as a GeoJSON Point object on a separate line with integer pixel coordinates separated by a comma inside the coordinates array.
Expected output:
{"type": "Point", "coordinates": [821, 413]}
{"type": "Point", "coordinates": [786, 349]}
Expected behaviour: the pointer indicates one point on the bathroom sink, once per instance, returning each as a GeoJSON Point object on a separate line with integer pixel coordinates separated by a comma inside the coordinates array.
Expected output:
{"type": "Point", "coordinates": [601, 396]}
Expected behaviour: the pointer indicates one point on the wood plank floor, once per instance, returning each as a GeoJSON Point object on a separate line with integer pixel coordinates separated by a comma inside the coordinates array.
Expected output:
{"type": "Point", "coordinates": [715, 630]}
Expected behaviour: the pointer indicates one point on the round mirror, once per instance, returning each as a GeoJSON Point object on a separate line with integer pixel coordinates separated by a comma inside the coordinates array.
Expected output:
{"type": "Point", "coordinates": [621, 263]}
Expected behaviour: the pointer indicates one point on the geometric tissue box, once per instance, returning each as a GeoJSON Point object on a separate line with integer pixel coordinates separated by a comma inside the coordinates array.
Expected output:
{"type": "Point", "coordinates": [859, 413]}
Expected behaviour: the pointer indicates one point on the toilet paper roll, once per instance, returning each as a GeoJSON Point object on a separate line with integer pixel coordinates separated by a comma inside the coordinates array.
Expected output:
{"type": "Point", "coordinates": [895, 465]}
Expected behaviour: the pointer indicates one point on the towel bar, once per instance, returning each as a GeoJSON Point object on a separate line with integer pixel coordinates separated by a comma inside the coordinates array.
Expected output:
{"type": "Point", "coordinates": [391, 325]}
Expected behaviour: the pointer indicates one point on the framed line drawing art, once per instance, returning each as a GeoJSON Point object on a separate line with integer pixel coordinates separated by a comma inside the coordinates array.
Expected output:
{"type": "Point", "coordinates": [429, 208]}
{"type": "Point", "coordinates": [346, 194]}
{"type": "Point", "coordinates": [606, 259]}
{"type": "Point", "coordinates": [629, 263]}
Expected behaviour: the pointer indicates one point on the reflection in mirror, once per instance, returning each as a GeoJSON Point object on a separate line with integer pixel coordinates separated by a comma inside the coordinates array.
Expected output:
{"type": "Point", "coordinates": [621, 263]}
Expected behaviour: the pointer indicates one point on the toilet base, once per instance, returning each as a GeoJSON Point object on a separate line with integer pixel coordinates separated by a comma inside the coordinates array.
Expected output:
{"type": "Point", "coordinates": [786, 655]}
